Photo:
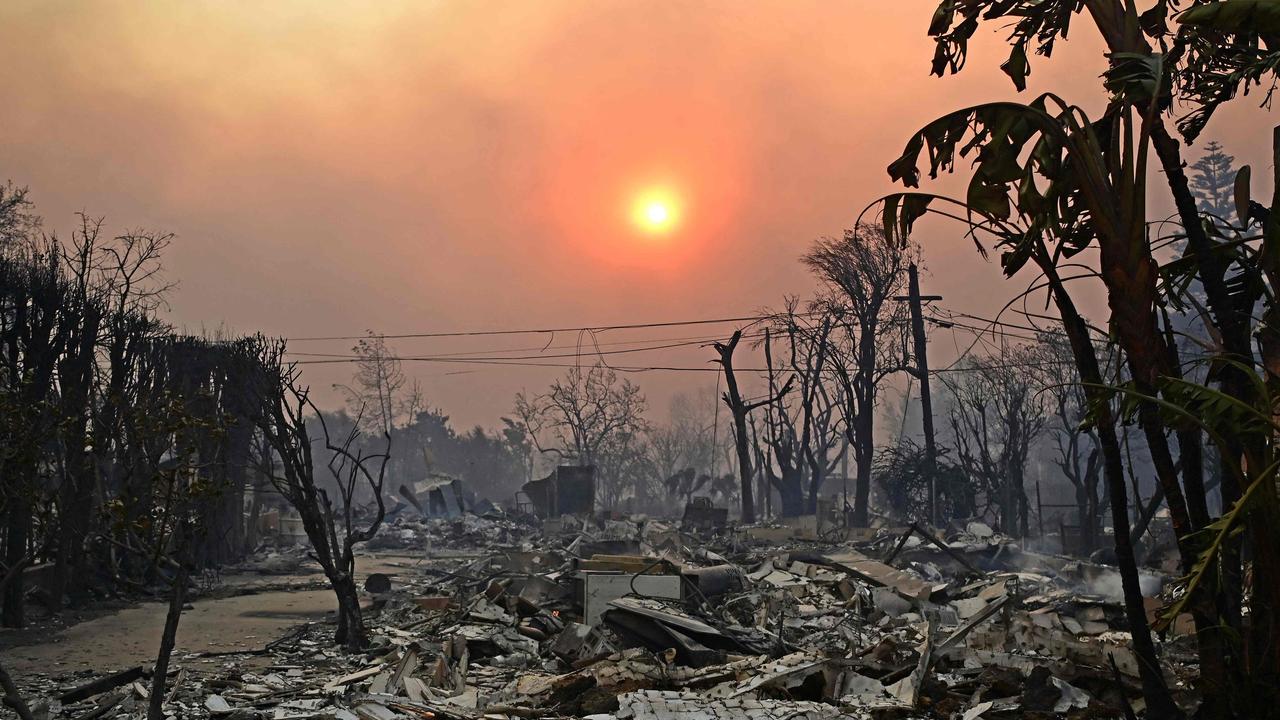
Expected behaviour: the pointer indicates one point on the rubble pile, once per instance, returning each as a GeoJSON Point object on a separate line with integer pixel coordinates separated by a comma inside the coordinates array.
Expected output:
{"type": "Point", "coordinates": [632, 619]}
{"type": "Point", "coordinates": [409, 531]}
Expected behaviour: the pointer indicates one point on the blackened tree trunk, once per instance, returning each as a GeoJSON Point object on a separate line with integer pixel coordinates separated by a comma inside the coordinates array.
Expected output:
{"type": "Point", "coordinates": [351, 630]}
{"type": "Point", "coordinates": [1085, 482]}
{"type": "Point", "coordinates": [251, 524]}
{"type": "Point", "coordinates": [1159, 702]}
{"type": "Point", "coordinates": [860, 413]}
{"type": "Point", "coordinates": [239, 445]}
{"type": "Point", "coordinates": [738, 409]}
{"type": "Point", "coordinates": [75, 501]}
{"type": "Point", "coordinates": [790, 487]}
{"type": "Point", "coordinates": [864, 456]}
{"type": "Point", "coordinates": [17, 537]}
{"type": "Point", "coordinates": [1263, 640]}
{"type": "Point", "coordinates": [75, 506]}
{"type": "Point", "coordinates": [1012, 485]}
{"type": "Point", "coordinates": [177, 599]}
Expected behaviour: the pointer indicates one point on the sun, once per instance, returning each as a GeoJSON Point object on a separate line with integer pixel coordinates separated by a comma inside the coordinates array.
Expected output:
{"type": "Point", "coordinates": [655, 212]}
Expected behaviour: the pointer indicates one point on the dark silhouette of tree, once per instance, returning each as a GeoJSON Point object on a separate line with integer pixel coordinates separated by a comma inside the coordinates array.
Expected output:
{"type": "Point", "coordinates": [748, 448]}
{"type": "Point", "coordinates": [1077, 446]}
{"type": "Point", "coordinates": [996, 411]}
{"type": "Point", "coordinates": [589, 417]}
{"type": "Point", "coordinates": [1214, 182]}
{"type": "Point", "coordinates": [376, 389]}
{"type": "Point", "coordinates": [803, 428]}
{"type": "Point", "coordinates": [18, 223]}
{"type": "Point", "coordinates": [863, 270]}
{"type": "Point", "coordinates": [283, 412]}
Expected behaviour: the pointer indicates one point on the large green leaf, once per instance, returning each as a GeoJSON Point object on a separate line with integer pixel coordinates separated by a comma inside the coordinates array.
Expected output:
{"type": "Point", "coordinates": [1034, 26]}
{"type": "Point", "coordinates": [988, 197]}
{"type": "Point", "coordinates": [1017, 67]}
{"type": "Point", "coordinates": [1024, 170]}
{"type": "Point", "coordinates": [1021, 250]}
{"type": "Point", "coordinates": [901, 212]}
{"type": "Point", "coordinates": [1137, 78]}
{"type": "Point", "coordinates": [1215, 410]}
{"type": "Point", "coordinates": [1236, 16]}
{"type": "Point", "coordinates": [1224, 49]}
{"type": "Point", "coordinates": [1242, 194]}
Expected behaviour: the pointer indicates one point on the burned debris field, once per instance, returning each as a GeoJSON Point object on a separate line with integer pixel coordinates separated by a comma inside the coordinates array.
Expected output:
{"type": "Point", "coordinates": [640, 360]}
{"type": "Point", "coordinates": [576, 616]}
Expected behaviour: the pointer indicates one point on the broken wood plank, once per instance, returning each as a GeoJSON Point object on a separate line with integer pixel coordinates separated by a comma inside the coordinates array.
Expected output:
{"type": "Point", "coordinates": [104, 707]}
{"type": "Point", "coordinates": [879, 574]}
{"type": "Point", "coordinates": [980, 617]}
{"type": "Point", "coordinates": [897, 547]}
{"type": "Point", "coordinates": [368, 672]}
{"type": "Point", "coordinates": [947, 549]}
{"type": "Point", "coordinates": [100, 685]}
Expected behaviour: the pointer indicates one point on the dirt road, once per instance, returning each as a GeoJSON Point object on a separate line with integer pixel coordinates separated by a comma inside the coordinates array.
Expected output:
{"type": "Point", "coordinates": [131, 636]}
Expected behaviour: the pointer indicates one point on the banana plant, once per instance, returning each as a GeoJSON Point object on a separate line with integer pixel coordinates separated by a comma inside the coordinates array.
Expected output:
{"type": "Point", "coordinates": [1069, 182]}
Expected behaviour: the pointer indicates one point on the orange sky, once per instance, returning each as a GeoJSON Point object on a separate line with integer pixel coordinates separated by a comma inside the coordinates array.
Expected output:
{"type": "Point", "coordinates": [416, 166]}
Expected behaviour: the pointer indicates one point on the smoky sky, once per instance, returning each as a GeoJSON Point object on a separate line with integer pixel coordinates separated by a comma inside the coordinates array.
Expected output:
{"type": "Point", "coordinates": [331, 167]}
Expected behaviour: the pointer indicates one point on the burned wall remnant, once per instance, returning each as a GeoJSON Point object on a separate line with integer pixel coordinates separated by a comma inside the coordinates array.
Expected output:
{"type": "Point", "coordinates": [568, 490]}
{"type": "Point", "coordinates": [701, 514]}
{"type": "Point", "coordinates": [439, 495]}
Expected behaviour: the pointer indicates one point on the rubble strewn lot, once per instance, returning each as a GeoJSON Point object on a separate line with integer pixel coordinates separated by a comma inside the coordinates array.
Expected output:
{"type": "Point", "coordinates": [634, 619]}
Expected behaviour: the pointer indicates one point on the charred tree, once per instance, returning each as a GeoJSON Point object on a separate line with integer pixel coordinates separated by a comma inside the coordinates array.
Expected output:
{"type": "Point", "coordinates": [740, 409]}
{"type": "Point", "coordinates": [863, 271]}
{"type": "Point", "coordinates": [284, 409]}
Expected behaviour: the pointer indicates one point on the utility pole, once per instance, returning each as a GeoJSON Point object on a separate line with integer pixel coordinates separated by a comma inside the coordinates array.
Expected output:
{"type": "Point", "coordinates": [715, 429]}
{"type": "Point", "coordinates": [844, 481]}
{"type": "Point", "coordinates": [921, 372]}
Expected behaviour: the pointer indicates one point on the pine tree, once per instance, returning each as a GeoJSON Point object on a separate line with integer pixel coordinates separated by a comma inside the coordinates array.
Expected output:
{"type": "Point", "coordinates": [1214, 182]}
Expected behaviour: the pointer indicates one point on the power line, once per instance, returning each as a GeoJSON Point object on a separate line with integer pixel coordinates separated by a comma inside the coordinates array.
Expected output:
{"type": "Point", "coordinates": [536, 331]}
{"type": "Point", "coordinates": [499, 357]}
{"type": "Point", "coordinates": [688, 341]}
{"type": "Point", "coordinates": [480, 357]}
{"type": "Point", "coordinates": [977, 330]}
{"type": "Point", "coordinates": [1003, 323]}
{"type": "Point", "coordinates": [557, 356]}
{"type": "Point", "coordinates": [647, 368]}
{"type": "Point", "coordinates": [524, 363]}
